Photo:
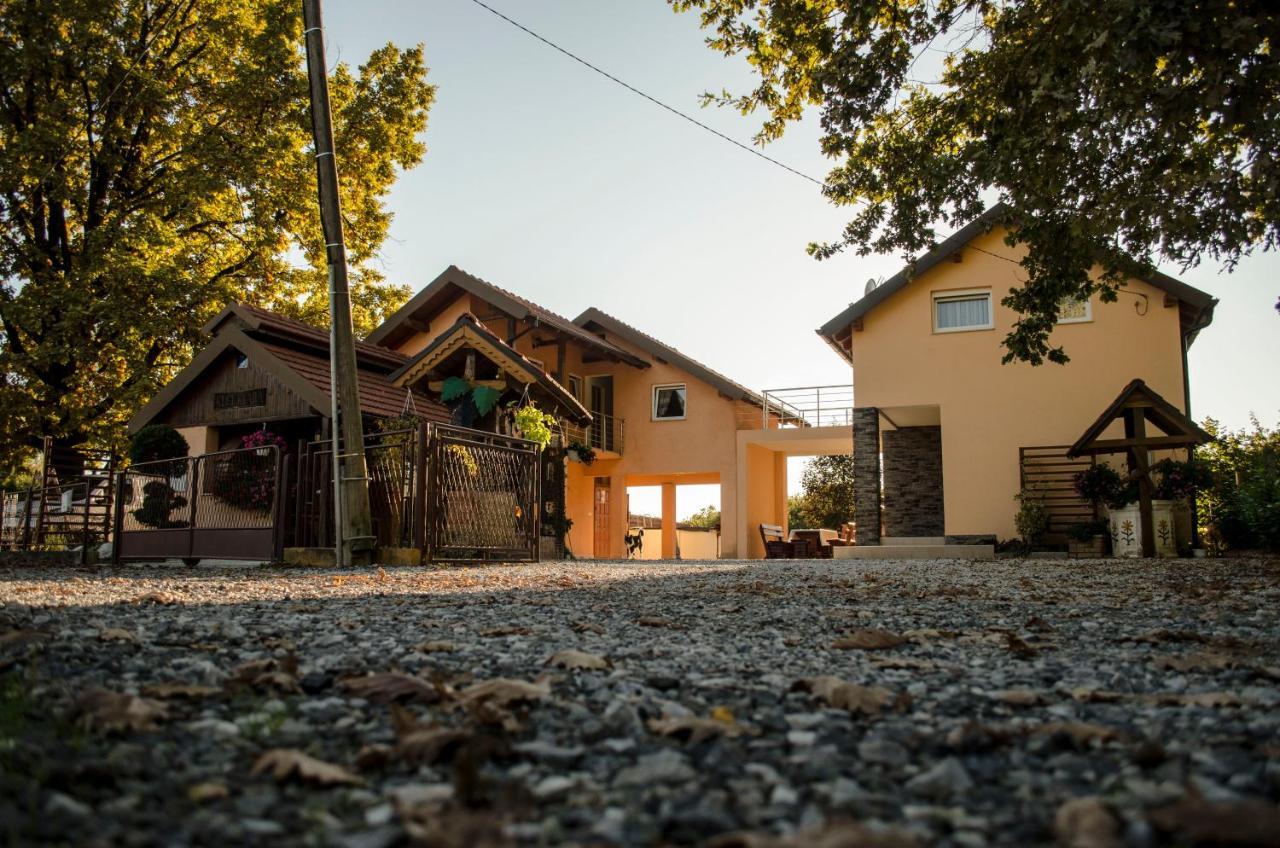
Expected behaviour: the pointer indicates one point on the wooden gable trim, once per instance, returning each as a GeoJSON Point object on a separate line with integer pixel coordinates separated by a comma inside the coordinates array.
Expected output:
{"type": "Point", "coordinates": [1138, 395]}
{"type": "Point", "coordinates": [229, 338]}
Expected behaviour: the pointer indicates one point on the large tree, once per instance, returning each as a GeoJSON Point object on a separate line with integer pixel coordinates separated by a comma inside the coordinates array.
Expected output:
{"type": "Point", "coordinates": [155, 164]}
{"type": "Point", "coordinates": [1121, 133]}
{"type": "Point", "coordinates": [826, 494]}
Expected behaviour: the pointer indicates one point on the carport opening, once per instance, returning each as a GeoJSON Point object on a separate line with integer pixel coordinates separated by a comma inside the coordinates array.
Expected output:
{"type": "Point", "coordinates": [697, 511]}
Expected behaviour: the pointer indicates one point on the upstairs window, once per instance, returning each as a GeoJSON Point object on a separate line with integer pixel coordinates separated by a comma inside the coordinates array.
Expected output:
{"type": "Point", "coordinates": [669, 402]}
{"type": "Point", "coordinates": [575, 386]}
{"type": "Point", "coordinates": [1073, 310]}
{"type": "Point", "coordinates": [959, 311]}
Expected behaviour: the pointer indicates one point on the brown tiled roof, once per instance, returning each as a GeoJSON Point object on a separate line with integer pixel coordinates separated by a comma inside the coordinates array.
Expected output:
{"type": "Point", "coordinates": [377, 395]}
{"type": "Point", "coordinates": [263, 322]}
{"type": "Point", "coordinates": [514, 304]}
{"type": "Point", "coordinates": [655, 348]}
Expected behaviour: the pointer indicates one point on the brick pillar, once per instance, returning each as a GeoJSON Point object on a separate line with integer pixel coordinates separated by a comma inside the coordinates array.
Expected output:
{"type": "Point", "coordinates": [866, 474]}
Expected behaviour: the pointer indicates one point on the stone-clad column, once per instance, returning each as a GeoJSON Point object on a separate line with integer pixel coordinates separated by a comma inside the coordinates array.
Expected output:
{"type": "Point", "coordinates": [866, 474]}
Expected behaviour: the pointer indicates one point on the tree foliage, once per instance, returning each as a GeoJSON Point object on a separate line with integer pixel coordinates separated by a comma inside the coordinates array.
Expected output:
{"type": "Point", "coordinates": [1118, 135]}
{"type": "Point", "coordinates": [1241, 509]}
{"type": "Point", "coordinates": [155, 164]}
{"type": "Point", "coordinates": [708, 517]}
{"type": "Point", "coordinates": [826, 494]}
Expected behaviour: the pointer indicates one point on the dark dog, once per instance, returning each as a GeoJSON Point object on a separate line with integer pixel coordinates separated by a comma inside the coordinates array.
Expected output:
{"type": "Point", "coordinates": [635, 542]}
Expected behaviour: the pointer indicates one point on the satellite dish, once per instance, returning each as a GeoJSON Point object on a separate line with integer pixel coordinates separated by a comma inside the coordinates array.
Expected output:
{"type": "Point", "coordinates": [871, 286]}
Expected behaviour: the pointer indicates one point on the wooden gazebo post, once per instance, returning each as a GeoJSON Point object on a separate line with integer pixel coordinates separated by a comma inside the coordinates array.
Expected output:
{"type": "Point", "coordinates": [1136, 405]}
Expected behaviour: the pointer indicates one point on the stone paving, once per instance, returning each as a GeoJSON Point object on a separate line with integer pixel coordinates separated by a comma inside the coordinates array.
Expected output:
{"type": "Point", "coordinates": [872, 703]}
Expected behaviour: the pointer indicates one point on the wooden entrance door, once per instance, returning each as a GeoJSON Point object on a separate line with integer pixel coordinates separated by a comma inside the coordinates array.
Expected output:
{"type": "Point", "coordinates": [600, 549]}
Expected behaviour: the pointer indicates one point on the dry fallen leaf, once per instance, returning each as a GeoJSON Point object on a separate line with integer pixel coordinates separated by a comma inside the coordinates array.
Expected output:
{"type": "Point", "coordinates": [388, 686]}
{"type": "Point", "coordinates": [869, 640]}
{"type": "Point", "coordinates": [102, 709]}
{"type": "Point", "coordinates": [424, 743]}
{"type": "Point", "coordinates": [1087, 823]}
{"type": "Point", "coordinates": [1019, 697]}
{"type": "Point", "coordinates": [587, 627]}
{"type": "Point", "coordinates": [502, 691]}
{"type": "Point", "coordinates": [655, 621]}
{"type": "Point", "coordinates": [436, 824]}
{"type": "Point", "coordinates": [270, 673]}
{"type": "Point", "coordinates": [116, 634]}
{"type": "Point", "coordinates": [208, 791]}
{"type": "Point", "coordinates": [572, 659]}
{"type": "Point", "coordinates": [436, 646]}
{"type": "Point", "coordinates": [1198, 661]}
{"type": "Point", "coordinates": [693, 729]}
{"type": "Point", "coordinates": [283, 763]}
{"type": "Point", "coordinates": [1249, 822]}
{"type": "Point", "coordinates": [838, 834]}
{"type": "Point", "coordinates": [179, 690]}
{"type": "Point", "coordinates": [506, 630]}
{"type": "Point", "coordinates": [1082, 733]}
{"type": "Point", "coordinates": [159, 598]}
{"type": "Point", "coordinates": [841, 694]}
{"type": "Point", "coordinates": [12, 638]}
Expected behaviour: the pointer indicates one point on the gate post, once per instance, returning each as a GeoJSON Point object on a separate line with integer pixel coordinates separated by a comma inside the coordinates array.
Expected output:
{"type": "Point", "coordinates": [193, 487]}
{"type": "Point", "coordinates": [282, 496]}
{"type": "Point", "coordinates": [419, 487]}
{"type": "Point", "coordinates": [84, 527]}
{"type": "Point", "coordinates": [117, 519]}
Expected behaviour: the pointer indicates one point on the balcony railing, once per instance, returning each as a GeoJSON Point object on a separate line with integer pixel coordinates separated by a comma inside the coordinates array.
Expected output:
{"type": "Point", "coordinates": [604, 433]}
{"type": "Point", "coordinates": [805, 406]}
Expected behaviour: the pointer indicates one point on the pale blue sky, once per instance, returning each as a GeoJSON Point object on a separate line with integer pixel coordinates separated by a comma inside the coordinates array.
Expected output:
{"type": "Point", "coordinates": [552, 181]}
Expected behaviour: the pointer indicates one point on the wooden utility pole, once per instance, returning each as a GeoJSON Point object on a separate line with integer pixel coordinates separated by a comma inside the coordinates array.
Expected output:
{"type": "Point", "coordinates": [353, 525]}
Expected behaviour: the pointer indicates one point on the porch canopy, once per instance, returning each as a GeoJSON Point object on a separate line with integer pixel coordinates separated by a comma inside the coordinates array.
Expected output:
{"type": "Point", "coordinates": [455, 351]}
{"type": "Point", "coordinates": [1136, 405]}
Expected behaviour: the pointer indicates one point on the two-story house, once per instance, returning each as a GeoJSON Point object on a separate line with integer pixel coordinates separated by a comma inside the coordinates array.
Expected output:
{"type": "Point", "coordinates": [945, 434]}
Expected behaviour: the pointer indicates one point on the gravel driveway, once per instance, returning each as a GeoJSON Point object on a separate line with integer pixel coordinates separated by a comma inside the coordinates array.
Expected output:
{"type": "Point", "coordinates": [738, 704]}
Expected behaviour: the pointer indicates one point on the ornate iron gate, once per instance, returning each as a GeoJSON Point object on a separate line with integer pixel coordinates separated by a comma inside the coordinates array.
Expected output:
{"type": "Point", "coordinates": [482, 496]}
{"type": "Point", "coordinates": [224, 505]}
{"type": "Point", "coordinates": [395, 488]}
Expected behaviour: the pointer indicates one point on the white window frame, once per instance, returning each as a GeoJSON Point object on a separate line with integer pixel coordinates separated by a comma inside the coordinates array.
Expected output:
{"type": "Point", "coordinates": [1088, 313]}
{"type": "Point", "coordinates": [962, 294]}
{"type": "Point", "coordinates": [653, 402]}
{"type": "Point", "coordinates": [580, 393]}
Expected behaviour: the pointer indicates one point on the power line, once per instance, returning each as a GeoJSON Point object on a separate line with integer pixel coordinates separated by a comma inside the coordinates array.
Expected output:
{"type": "Point", "coordinates": [650, 98]}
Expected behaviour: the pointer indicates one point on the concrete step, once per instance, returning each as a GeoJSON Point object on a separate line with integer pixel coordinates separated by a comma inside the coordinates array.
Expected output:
{"type": "Point", "coordinates": [912, 540]}
{"type": "Point", "coordinates": [915, 552]}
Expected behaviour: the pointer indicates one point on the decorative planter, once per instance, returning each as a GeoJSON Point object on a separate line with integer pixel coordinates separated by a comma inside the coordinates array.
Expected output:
{"type": "Point", "coordinates": [573, 455]}
{"type": "Point", "coordinates": [1126, 530]}
{"type": "Point", "coordinates": [1094, 548]}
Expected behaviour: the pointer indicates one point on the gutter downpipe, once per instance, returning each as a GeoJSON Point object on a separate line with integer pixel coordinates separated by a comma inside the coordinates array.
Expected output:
{"type": "Point", "coordinates": [1200, 324]}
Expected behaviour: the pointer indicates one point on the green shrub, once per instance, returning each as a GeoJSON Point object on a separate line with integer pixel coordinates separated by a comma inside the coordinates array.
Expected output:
{"type": "Point", "coordinates": [1102, 485]}
{"type": "Point", "coordinates": [1241, 508]}
{"type": "Point", "coordinates": [156, 442]}
{"type": "Point", "coordinates": [1032, 519]}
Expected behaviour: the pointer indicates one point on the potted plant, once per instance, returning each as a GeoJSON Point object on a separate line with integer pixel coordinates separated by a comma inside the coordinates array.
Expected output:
{"type": "Point", "coordinates": [578, 452]}
{"type": "Point", "coordinates": [1032, 519]}
{"type": "Point", "coordinates": [1102, 486]}
{"type": "Point", "coordinates": [535, 425]}
{"type": "Point", "coordinates": [1176, 483]}
{"type": "Point", "coordinates": [1088, 539]}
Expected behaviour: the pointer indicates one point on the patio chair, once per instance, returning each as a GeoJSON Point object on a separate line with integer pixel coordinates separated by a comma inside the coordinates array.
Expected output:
{"type": "Point", "coordinates": [776, 545]}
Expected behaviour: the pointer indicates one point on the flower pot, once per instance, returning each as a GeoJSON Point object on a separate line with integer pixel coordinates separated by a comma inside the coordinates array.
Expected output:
{"type": "Point", "coordinates": [573, 455]}
{"type": "Point", "coordinates": [1126, 530]}
{"type": "Point", "coordinates": [1092, 548]}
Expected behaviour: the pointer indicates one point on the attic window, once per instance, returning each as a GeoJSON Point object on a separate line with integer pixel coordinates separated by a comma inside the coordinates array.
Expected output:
{"type": "Point", "coordinates": [242, 361]}
{"type": "Point", "coordinates": [955, 312]}
{"type": "Point", "coordinates": [669, 402]}
{"type": "Point", "coordinates": [1073, 310]}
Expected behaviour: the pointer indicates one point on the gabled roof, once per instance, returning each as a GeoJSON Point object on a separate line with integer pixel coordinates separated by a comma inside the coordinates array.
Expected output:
{"type": "Point", "coordinates": [302, 371]}
{"type": "Point", "coordinates": [1180, 431]}
{"type": "Point", "coordinates": [256, 321]}
{"type": "Point", "coordinates": [468, 332]}
{"type": "Point", "coordinates": [440, 291]}
{"type": "Point", "coordinates": [1196, 315]}
{"type": "Point", "coordinates": [596, 318]}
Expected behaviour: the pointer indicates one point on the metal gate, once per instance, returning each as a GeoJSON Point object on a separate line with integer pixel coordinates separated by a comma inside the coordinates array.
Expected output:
{"type": "Point", "coordinates": [482, 496]}
{"type": "Point", "coordinates": [224, 505]}
{"type": "Point", "coordinates": [392, 459]}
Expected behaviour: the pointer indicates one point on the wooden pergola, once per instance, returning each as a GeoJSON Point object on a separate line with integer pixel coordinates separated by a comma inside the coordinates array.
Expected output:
{"type": "Point", "coordinates": [1137, 405]}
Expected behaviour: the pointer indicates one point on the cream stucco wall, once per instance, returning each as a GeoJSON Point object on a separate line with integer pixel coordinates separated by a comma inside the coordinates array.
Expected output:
{"type": "Point", "coordinates": [700, 449]}
{"type": "Point", "coordinates": [988, 409]}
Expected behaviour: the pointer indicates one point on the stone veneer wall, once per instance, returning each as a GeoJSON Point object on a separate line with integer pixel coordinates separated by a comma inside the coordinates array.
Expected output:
{"type": "Point", "coordinates": [913, 482]}
{"type": "Point", "coordinates": [866, 475]}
